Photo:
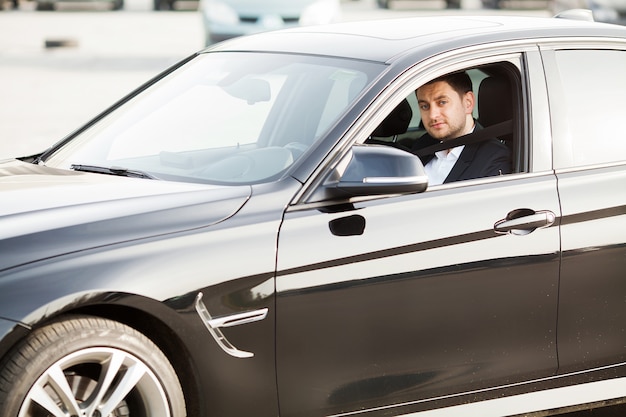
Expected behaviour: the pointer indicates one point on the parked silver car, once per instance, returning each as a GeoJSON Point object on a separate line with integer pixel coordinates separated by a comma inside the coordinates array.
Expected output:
{"type": "Point", "coordinates": [225, 19]}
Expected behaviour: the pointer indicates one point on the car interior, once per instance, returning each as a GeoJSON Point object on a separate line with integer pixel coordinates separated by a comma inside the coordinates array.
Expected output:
{"type": "Point", "coordinates": [498, 91]}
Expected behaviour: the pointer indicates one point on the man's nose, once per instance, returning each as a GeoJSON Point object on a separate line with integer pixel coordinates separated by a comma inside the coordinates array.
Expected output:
{"type": "Point", "coordinates": [433, 112]}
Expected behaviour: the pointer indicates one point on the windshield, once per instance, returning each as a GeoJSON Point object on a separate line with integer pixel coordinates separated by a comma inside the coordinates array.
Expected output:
{"type": "Point", "coordinates": [230, 118]}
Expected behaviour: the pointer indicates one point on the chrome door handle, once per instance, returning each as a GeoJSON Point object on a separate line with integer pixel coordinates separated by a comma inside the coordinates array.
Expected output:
{"type": "Point", "coordinates": [524, 221]}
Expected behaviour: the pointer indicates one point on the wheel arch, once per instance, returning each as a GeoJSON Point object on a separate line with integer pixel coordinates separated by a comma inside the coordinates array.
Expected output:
{"type": "Point", "coordinates": [123, 308]}
{"type": "Point", "coordinates": [162, 335]}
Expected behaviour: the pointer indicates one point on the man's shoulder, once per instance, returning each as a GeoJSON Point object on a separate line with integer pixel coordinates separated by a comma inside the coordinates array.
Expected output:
{"type": "Point", "coordinates": [424, 141]}
{"type": "Point", "coordinates": [490, 145]}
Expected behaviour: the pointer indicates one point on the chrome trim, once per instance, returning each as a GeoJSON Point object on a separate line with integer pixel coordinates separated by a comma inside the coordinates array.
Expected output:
{"type": "Point", "coordinates": [525, 224]}
{"type": "Point", "coordinates": [394, 180]}
{"type": "Point", "coordinates": [522, 404]}
{"type": "Point", "coordinates": [214, 325]}
{"type": "Point", "coordinates": [535, 402]}
{"type": "Point", "coordinates": [238, 319]}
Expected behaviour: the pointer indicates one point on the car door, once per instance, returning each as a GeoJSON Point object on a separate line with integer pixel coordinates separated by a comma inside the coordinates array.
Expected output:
{"type": "Point", "coordinates": [386, 303]}
{"type": "Point", "coordinates": [590, 161]}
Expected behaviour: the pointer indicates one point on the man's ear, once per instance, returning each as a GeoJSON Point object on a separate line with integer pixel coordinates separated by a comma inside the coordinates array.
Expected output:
{"type": "Point", "coordinates": [468, 101]}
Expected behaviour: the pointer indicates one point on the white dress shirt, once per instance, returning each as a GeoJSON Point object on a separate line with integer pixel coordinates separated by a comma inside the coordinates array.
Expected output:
{"type": "Point", "coordinates": [440, 166]}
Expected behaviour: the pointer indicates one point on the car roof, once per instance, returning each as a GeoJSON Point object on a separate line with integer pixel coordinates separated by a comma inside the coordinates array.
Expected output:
{"type": "Point", "coordinates": [385, 40]}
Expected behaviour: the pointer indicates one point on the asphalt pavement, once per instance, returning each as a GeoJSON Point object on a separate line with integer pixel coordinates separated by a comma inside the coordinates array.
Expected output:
{"type": "Point", "coordinates": [59, 69]}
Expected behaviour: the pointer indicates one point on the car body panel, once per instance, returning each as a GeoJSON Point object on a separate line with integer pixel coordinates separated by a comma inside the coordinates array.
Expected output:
{"type": "Point", "coordinates": [593, 200]}
{"type": "Point", "coordinates": [366, 309]}
{"type": "Point", "coordinates": [115, 209]}
{"type": "Point", "coordinates": [389, 41]}
{"type": "Point", "coordinates": [145, 278]}
{"type": "Point", "coordinates": [592, 284]}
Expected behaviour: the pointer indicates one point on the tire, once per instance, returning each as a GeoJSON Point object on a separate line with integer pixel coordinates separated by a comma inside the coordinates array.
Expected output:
{"type": "Point", "coordinates": [44, 6]}
{"type": "Point", "coordinates": [383, 4]}
{"type": "Point", "coordinates": [163, 5]}
{"type": "Point", "coordinates": [70, 356]}
{"type": "Point", "coordinates": [491, 4]}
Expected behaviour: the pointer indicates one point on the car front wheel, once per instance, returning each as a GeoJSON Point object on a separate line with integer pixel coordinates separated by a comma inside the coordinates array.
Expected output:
{"type": "Point", "coordinates": [91, 367]}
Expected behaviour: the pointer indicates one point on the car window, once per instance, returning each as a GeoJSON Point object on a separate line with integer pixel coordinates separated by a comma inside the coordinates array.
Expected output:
{"type": "Point", "coordinates": [497, 93]}
{"type": "Point", "coordinates": [223, 118]}
{"type": "Point", "coordinates": [594, 85]}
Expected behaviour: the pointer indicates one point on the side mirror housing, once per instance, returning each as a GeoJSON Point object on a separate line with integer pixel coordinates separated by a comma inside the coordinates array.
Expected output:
{"type": "Point", "coordinates": [375, 170]}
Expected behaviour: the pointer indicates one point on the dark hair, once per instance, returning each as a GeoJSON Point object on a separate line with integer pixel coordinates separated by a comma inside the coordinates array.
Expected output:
{"type": "Point", "coordinates": [459, 81]}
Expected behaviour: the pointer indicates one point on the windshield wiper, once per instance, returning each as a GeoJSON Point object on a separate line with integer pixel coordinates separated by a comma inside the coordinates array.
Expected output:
{"type": "Point", "coordinates": [119, 171]}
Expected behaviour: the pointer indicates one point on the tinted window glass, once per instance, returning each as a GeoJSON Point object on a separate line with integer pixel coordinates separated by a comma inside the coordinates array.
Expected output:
{"type": "Point", "coordinates": [594, 84]}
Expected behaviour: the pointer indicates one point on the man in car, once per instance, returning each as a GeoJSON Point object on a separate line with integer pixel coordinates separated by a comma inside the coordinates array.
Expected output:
{"type": "Point", "coordinates": [446, 104]}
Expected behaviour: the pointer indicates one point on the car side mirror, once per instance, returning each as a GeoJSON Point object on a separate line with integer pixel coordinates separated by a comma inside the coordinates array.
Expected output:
{"type": "Point", "coordinates": [375, 170]}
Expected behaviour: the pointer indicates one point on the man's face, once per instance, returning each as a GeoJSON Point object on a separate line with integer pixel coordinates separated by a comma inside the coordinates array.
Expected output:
{"type": "Point", "coordinates": [445, 114]}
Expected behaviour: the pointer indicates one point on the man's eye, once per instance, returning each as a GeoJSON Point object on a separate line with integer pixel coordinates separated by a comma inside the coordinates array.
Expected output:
{"type": "Point", "coordinates": [442, 102]}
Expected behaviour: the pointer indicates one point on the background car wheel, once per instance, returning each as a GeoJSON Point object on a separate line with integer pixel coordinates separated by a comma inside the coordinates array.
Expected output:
{"type": "Point", "coordinates": [86, 366]}
{"type": "Point", "coordinates": [383, 4]}
{"type": "Point", "coordinates": [491, 4]}
{"type": "Point", "coordinates": [163, 5]}
{"type": "Point", "coordinates": [453, 4]}
{"type": "Point", "coordinates": [44, 6]}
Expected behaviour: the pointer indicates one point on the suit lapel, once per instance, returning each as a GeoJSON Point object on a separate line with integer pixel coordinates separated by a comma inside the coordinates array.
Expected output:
{"type": "Point", "coordinates": [425, 141]}
{"type": "Point", "coordinates": [464, 161]}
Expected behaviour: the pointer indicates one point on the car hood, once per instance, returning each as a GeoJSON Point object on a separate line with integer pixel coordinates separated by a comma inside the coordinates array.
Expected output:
{"type": "Point", "coordinates": [46, 212]}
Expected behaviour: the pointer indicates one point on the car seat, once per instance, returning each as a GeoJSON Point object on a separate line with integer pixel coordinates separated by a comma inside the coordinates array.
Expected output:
{"type": "Point", "coordinates": [495, 103]}
{"type": "Point", "coordinates": [396, 123]}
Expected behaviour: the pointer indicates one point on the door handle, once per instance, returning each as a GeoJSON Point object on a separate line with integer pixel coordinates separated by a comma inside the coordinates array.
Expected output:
{"type": "Point", "coordinates": [524, 221]}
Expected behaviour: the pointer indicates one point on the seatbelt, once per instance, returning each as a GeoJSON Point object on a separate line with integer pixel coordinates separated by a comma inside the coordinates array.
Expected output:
{"type": "Point", "coordinates": [478, 135]}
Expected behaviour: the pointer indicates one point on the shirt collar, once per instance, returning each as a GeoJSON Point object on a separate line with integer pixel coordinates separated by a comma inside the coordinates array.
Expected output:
{"type": "Point", "coordinates": [454, 152]}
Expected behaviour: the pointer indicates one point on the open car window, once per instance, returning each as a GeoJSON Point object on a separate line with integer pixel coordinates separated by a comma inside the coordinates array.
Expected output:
{"type": "Point", "coordinates": [498, 109]}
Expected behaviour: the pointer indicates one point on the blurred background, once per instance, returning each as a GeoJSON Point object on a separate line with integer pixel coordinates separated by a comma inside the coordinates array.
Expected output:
{"type": "Point", "coordinates": [63, 62]}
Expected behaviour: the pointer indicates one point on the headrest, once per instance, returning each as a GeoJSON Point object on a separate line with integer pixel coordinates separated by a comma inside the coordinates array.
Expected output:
{"type": "Point", "coordinates": [396, 122]}
{"type": "Point", "coordinates": [494, 101]}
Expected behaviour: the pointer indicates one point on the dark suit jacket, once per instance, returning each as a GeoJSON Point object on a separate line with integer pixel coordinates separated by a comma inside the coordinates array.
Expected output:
{"type": "Point", "coordinates": [483, 159]}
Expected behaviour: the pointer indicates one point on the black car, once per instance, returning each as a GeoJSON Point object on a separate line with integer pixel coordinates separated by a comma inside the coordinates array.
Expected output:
{"type": "Point", "coordinates": [252, 234]}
